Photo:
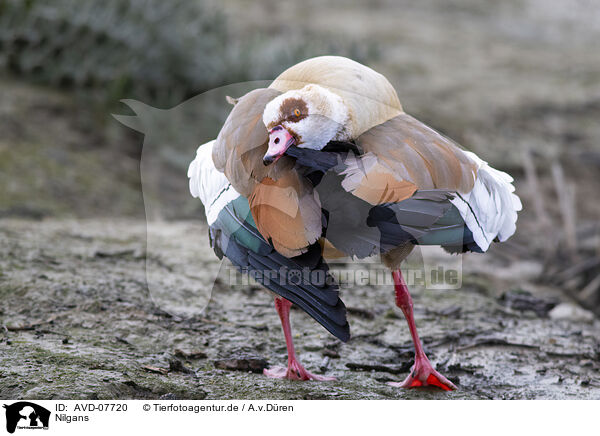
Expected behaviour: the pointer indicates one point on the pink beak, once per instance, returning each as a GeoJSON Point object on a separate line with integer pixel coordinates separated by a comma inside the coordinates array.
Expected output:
{"type": "Point", "coordinates": [279, 141]}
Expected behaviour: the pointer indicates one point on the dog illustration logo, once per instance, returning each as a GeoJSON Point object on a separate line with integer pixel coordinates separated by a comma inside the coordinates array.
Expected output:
{"type": "Point", "coordinates": [26, 415]}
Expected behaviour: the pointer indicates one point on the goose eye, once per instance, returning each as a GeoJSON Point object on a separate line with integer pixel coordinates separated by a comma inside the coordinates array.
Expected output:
{"type": "Point", "coordinates": [297, 112]}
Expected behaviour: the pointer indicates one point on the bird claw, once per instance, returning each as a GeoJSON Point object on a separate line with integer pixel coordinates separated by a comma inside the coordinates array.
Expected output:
{"type": "Point", "coordinates": [423, 374]}
{"type": "Point", "coordinates": [294, 371]}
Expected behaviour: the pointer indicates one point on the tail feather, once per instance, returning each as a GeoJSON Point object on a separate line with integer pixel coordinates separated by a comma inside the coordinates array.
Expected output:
{"type": "Point", "coordinates": [490, 208]}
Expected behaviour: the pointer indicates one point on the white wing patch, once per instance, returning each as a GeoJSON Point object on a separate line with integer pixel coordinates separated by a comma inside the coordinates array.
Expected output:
{"type": "Point", "coordinates": [209, 184]}
{"type": "Point", "coordinates": [490, 209]}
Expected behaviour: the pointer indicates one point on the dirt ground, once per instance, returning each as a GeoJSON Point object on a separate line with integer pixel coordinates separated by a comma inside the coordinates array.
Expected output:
{"type": "Point", "coordinates": [79, 323]}
{"type": "Point", "coordinates": [96, 304]}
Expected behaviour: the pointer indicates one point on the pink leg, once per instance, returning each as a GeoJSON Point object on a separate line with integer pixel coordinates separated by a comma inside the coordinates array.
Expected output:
{"type": "Point", "coordinates": [294, 370]}
{"type": "Point", "coordinates": [422, 373]}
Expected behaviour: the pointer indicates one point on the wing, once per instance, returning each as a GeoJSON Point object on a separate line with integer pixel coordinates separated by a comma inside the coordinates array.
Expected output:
{"type": "Point", "coordinates": [284, 205]}
{"type": "Point", "coordinates": [386, 214]}
{"type": "Point", "coordinates": [418, 154]}
{"type": "Point", "coordinates": [287, 212]}
{"type": "Point", "coordinates": [419, 188]}
{"type": "Point", "coordinates": [415, 152]}
{"type": "Point", "coordinates": [242, 142]}
{"type": "Point", "coordinates": [304, 280]}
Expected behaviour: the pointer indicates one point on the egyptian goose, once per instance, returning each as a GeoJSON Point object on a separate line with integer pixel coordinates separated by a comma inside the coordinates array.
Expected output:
{"type": "Point", "coordinates": [325, 163]}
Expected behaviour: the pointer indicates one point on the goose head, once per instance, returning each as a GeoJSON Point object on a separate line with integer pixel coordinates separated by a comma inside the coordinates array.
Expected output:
{"type": "Point", "coordinates": [307, 118]}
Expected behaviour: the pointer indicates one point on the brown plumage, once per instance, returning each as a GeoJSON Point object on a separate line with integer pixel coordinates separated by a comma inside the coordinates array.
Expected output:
{"type": "Point", "coordinates": [287, 212]}
{"type": "Point", "coordinates": [416, 153]}
{"type": "Point", "coordinates": [285, 208]}
{"type": "Point", "coordinates": [370, 97]}
{"type": "Point", "coordinates": [402, 154]}
{"type": "Point", "coordinates": [387, 182]}
{"type": "Point", "coordinates": [242, 142]}
{"type": "Point", "coordinates": [368, 178]}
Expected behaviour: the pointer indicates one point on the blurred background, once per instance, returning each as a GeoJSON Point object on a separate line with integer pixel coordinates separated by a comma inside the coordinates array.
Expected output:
{"type": "Point", "coordinates": [516, 81]}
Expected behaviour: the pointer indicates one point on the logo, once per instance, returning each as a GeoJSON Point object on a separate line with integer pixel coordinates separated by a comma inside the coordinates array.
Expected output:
{"type": "Point", "coordinates": [26, 415]}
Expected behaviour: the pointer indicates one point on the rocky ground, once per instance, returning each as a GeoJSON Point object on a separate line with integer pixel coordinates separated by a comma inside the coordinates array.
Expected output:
{"type": "Point", "coordinates": [79, 321]}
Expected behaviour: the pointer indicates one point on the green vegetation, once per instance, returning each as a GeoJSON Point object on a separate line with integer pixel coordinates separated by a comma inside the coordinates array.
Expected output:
{"type": "Point", "coordinates": [155, 51]}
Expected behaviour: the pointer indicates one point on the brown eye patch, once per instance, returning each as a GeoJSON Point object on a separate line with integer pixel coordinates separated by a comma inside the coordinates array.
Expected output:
{"type": "Point", "coordinates": [293, 109]}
